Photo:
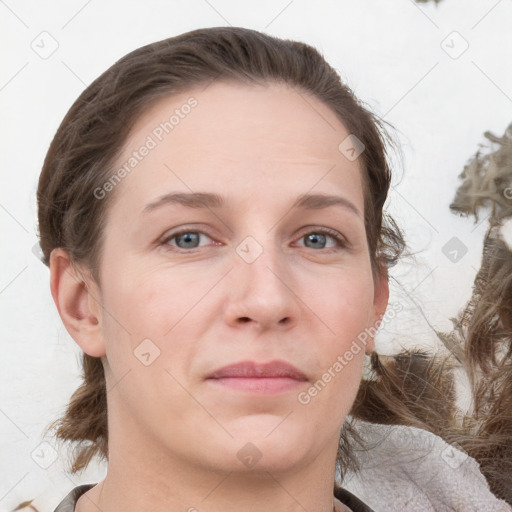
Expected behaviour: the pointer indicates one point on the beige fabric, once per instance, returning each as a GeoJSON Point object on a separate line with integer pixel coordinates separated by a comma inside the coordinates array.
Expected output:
{"type": "Point", "coordinates": [407, 468]}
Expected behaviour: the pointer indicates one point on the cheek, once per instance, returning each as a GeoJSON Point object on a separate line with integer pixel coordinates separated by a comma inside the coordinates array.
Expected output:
{"type": "Point", "coordinates": [141, 300]}
{"type": "Point", "coordinates": [150, 312]}
{"type": "Point", "coordinates": [343, 304]}
{"type": "Point", "coordinates": [142, 360]}
{"type": "Point", "coordinates": [328, 399]}
{"type": "Point", "coordinates": [339, 344]}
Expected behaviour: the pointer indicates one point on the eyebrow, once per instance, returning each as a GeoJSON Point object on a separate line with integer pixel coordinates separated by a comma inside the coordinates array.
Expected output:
{"type": "Point", "coordinates": [210, 200]}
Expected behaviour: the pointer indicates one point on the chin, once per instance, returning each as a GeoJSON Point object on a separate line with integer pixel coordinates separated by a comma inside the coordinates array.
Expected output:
{"type": "Point", "coordinates": [277, 429]}
{"type": "Point", "coordinates": [269, 444]}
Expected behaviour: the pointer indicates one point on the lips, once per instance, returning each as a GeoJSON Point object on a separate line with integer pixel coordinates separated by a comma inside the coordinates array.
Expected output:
{"type": "Point", "coordinates": [252, 370]}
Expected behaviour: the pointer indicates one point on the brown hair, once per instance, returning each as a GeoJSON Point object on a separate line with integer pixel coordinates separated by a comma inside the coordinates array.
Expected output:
{"type": "Point", "coordinates": [81, 157]}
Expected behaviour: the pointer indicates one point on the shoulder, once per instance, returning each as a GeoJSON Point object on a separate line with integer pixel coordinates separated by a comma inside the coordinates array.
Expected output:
{"type": "Point", "coordinates": [69, 502]}
{"type": "Point", "coordinates": [351, 500]}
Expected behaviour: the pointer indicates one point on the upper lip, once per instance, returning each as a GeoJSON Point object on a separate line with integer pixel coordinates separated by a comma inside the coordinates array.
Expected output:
{"type": "Point", "coordinates": [246, 369]}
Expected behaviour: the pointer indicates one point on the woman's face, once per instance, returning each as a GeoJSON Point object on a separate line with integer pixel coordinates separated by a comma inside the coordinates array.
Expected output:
{"type": "Point", "coordinates": [248, 271]}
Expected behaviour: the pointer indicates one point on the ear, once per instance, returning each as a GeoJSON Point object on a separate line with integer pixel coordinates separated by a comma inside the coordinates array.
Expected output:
{"type": "Point", "coordinates": [380, 303]}
{"type": "Point", "coordinates": [77, 300]}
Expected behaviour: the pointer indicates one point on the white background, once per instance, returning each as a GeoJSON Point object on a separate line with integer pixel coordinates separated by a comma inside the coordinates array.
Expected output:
{"type": "Point", "coordinates": [391, 52]}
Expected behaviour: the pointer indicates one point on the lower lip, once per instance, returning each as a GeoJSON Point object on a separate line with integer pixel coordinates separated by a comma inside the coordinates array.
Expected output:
{"type": "Point", "coordinates": [259, 384]}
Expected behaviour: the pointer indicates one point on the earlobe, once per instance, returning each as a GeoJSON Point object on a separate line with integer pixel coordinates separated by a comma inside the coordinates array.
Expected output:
{"type": "Point", "coordinates": [72, 297]}
{"type": "Point", "coordinates": [380, 303]}
{"type": "Point", "coordinates": [381, 295]}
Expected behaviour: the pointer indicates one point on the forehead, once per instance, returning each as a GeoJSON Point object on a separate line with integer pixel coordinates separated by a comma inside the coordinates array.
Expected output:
{"type": "Point", "coordinates": [241, 135]}
{"type": "Point", "coordinates": [237, 109]}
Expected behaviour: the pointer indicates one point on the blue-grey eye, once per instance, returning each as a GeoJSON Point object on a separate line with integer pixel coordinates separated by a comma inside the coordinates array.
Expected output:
{"type": "Point", "coordinates": [316, 240]}
{"type": "Point", "coordinates": [190, 240]}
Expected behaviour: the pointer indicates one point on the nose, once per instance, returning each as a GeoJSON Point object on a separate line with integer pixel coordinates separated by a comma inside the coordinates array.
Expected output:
{"type": "Point", "coordinates": [261, 288]}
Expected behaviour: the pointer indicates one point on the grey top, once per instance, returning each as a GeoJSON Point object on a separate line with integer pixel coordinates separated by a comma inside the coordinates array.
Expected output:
{"type": "Point", "coordinates": [69, 502]}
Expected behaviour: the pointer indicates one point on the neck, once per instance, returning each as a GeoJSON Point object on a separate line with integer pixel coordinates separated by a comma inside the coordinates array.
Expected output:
{"type": "Point", "coordinates": [142, 478]}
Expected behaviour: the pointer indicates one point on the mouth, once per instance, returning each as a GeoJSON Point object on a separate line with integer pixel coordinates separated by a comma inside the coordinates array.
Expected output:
{"type": "Point", "coordinates": [272, 377]}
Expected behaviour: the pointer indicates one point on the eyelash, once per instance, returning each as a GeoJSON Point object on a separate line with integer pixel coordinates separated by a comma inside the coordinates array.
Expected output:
{"type": "Point", "coordinates": [341, 242]}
